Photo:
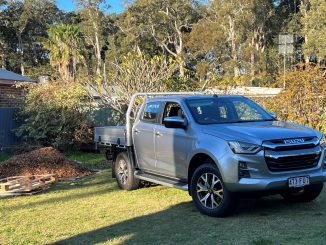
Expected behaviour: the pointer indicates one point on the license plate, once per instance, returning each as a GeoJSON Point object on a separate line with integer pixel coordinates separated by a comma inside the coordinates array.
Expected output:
{"type": "Point", "coordinates": [298, 182]}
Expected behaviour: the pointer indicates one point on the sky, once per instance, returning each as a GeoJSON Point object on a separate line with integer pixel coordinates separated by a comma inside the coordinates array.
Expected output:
{"type": "Point", "coordinates": [68, 5]}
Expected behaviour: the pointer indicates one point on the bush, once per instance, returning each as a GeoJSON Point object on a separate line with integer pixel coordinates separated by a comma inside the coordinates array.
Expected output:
{"type": "Point", "coordinates": [303, 100]}
{"type": "Point", "coordinates": [55, 114]}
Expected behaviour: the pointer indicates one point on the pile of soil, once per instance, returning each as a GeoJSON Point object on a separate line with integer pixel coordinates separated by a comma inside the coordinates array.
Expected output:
{"type": "Point", "coordinates": [45, 160]}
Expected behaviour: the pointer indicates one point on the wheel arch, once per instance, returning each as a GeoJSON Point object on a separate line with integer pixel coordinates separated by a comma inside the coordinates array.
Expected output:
{"type": "Point", "coordinates": [197, 160]}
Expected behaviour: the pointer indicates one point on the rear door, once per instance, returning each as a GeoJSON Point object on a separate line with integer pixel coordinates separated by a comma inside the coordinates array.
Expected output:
{"type": "Point", "coordinates": [143, 136]}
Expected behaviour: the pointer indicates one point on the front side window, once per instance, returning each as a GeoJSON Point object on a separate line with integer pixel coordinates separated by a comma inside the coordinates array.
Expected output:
{"type": "Point", "coordinates": [227, 110]}
{"type": "Point", "coordinates": [173, 109]}
{"type": "Point", "coordinates": [151, 112]}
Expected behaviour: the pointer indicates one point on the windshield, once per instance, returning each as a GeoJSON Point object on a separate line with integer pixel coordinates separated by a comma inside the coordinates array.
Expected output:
{"type": "Point", "coordinates": [227, 110]}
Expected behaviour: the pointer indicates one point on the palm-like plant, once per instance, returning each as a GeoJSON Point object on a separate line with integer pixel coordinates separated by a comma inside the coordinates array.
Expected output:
{"type": "Point", "coordinates": [65, 43]}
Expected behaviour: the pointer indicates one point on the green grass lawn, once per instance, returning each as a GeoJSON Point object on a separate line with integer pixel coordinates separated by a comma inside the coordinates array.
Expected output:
{"type": "Point", "coordinates": [89, 160]}
{"type": "Point", "coordinates": [94, 211]}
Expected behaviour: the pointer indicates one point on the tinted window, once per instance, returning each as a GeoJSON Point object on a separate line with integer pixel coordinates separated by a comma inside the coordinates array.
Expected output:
{"type": "Point", "coordinates": [226, 110]}
{"type": "Point", "coordinates": [151, 112]}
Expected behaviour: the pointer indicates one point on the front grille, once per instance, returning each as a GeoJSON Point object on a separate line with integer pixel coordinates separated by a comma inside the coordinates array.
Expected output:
{"type": "Point", "coordinates": [286, 157]}
{"type": "Point", "coordinates": [293, 162]}
{"type": "Point", "coordinates": [294, 147]}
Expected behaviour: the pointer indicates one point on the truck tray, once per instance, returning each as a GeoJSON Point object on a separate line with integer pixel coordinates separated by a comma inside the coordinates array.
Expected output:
{"type": "Point", "coordinates": [110, 135]}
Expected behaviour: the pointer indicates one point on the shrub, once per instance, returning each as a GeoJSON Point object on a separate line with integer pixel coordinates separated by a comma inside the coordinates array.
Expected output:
{"type": "Point", "coordinates": [303, 100]}
{"type": "Point", "coordinates": [55, 114]}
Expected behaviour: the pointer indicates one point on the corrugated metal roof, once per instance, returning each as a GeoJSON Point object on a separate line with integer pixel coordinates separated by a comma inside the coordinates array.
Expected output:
{"type": "Point", "coordinates": [11, 77]}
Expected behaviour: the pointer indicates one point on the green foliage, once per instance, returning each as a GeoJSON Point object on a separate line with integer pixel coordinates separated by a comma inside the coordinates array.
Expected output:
{"type": "Point", "coordinates": [55, 114]}
{"type": "Point", "coordinates": [314, 20]}
{"type": "Point", "coordinates": [65, 44]}
{"type": "Point", "coordinates": [22, 28]}
{"type": "Point", "coordinates": [304, 99]}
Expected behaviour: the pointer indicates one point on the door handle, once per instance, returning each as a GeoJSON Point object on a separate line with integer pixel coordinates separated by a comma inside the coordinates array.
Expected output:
{"type": "Point", "coordinates": [136, 131]}
{"type": "Point", "coordinates": [158, 134]}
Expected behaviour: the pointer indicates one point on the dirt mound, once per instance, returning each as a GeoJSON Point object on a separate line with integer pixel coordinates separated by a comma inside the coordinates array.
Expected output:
{"type": "Point", "coordinates": [41, 161]}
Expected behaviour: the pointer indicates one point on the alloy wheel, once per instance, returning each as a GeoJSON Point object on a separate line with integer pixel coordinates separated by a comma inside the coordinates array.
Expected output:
{"type": "Point", "coordinates": [123, 171]}
{"type": "Point", "coordinates": [209, 190]}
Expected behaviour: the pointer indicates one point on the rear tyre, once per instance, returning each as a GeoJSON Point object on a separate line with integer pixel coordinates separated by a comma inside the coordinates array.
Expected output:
{"type": "Point", "coordinates": [124, 172]}
{"type": "Point", "coordinates": [306, 194]}
{"type": "Point", "coordinates": [209, 193]}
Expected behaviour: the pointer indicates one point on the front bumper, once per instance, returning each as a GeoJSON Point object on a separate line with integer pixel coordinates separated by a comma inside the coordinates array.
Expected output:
{"type": "Point", "coordinates": [275, 183]}
{"type": "Point", "coordinates": [261, 178]}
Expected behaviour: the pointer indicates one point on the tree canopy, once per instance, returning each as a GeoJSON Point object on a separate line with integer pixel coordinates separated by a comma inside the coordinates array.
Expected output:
{"type": "Point", "coordinates": [213, 39]}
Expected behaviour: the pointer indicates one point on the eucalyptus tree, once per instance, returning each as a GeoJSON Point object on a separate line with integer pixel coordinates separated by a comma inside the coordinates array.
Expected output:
{"type": "Point", "coordinates": [314, 29]}
{"type": "Point", "coordinates": [236, 35]}
{"type": "Point", "coordinates": [94, 27]}
{"type": "Point", "coordinates": [167, 22]}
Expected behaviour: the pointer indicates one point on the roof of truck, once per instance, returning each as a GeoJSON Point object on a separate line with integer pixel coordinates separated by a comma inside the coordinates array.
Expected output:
{"type": "Point", "coordinates": [183, 97]}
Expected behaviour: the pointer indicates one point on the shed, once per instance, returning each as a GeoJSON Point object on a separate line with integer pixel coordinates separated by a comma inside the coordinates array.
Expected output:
{"type": "Point", "coordinates": [11, 98]}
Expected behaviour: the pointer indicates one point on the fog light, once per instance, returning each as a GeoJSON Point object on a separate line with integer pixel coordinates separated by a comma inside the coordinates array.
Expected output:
{"type": "Point", "coordinates": [243, 171]}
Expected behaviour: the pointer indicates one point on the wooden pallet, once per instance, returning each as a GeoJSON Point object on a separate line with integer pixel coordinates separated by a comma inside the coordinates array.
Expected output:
{"type": "Point", "coordinates": [25, 185]}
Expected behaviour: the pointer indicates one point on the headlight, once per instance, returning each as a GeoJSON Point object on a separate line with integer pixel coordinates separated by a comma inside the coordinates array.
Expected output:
{"type": "Point", "coordinates": [243, 148]}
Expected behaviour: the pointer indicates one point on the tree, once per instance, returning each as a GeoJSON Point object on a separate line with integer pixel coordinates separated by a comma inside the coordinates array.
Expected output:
{"type": "Point", "coordinates": [314, 22]}
{"type": "Point", "coordinates": [236, 37]}
{"type": "Point", "coordinates": [167, 22]}
{"type": "Point", "coordinates": [23, 25]}
{"type": "Point", "coordinates": [136, 72]}
{"type": "Point", "coordinates": [94, 28]}
{"type": "Point", "coordinates": [65, 44]}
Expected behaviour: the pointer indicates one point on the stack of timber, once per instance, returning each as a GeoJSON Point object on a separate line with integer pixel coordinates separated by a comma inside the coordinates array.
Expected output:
{"type": "Point", "coordinates": [25, 185]}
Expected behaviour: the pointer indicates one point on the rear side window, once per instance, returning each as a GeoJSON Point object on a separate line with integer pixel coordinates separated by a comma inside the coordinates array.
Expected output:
{"type": "Point", "coordinates": [151, 112]}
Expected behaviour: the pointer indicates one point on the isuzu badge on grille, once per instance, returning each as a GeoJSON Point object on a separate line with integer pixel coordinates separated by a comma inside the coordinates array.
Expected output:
{"type": "Point", "coordinates": [293, 141]}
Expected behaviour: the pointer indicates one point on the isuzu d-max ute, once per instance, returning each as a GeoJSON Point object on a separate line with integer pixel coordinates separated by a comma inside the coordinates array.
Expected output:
{"type": "Point", "coordinates": [217, 147]}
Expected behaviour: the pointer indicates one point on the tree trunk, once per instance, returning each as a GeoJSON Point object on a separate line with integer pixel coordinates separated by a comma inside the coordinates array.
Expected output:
{"type": "Point", "coordinates": [20, 43]}
{"type": "Point", "coordinates": [252, 56]}
{"type": "Point", "coordinates": [3, 60]}
{"type": "Point", "coordinates": [98, 54]}
{"type": "Point", "coordinates": [232, 40]}
{"type": "Point", "coordinates": [97, 45]}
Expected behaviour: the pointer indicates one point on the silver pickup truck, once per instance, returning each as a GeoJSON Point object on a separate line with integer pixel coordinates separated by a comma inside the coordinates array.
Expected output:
{"type": "Point", "coordinates": [217, 148]}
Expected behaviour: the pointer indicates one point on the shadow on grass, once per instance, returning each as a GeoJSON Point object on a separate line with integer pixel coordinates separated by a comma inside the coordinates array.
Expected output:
{"type": "Point", "coordinates": [182, 223]}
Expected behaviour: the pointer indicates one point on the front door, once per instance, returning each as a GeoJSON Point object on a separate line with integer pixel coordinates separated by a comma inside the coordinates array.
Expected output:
{"type": "Point", "coordinates": [143, 136]}
{"type": "Point", "coordinates": [172, 145]}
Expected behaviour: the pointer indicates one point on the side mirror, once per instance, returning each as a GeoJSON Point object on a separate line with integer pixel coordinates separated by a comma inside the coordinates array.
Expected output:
{"type": "Point", "coordinates": [273, 114]}
{"type": "Point", "coordinates": [175, 122]}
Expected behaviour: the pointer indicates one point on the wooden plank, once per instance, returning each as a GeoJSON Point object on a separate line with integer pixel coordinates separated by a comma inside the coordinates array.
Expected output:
{"type": "Point", "coordinates": [4, 187]}
{"type": "Point", "coordinates": [26, 184]}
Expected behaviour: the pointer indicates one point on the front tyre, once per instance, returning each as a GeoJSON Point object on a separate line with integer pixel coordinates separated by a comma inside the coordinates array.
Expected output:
{"type": "Point", "coordinates": [209, 193]}
{"type": "Point", "coordinates": [306, 194]}
{"type": "Point", "coordinates": [124, 172]}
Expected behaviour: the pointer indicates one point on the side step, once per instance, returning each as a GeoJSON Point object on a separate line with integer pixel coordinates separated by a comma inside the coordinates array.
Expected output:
{"type": "Point", "coordinates": [161, 180]}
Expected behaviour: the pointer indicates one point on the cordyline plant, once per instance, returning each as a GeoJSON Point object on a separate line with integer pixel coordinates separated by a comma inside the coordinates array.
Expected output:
{"type": "Point", "coordinates": [55, 113]}
{"type": "Point", "coordinates": [304, 99]}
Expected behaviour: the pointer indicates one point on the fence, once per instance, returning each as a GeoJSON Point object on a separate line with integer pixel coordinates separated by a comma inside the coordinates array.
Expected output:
{"type": "Point", "coordinates": [7, 124]}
